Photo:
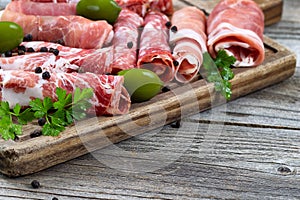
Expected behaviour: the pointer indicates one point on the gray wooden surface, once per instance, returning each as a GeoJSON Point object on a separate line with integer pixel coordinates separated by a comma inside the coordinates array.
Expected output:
{"type": "Point", "coordinates": [246, 149]}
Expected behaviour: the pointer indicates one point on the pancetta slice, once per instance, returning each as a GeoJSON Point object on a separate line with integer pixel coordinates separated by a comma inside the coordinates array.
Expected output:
{"type": "Point", "coordinates": [73, 31]}
{"type": "Point", "coordinates": [237, 27]}
{"type": "Point", "coordinates": [87, 60]}
{"type": "Point", "coordinates": [38, 8]}
{"type": "Point", "coordinates": [110, 97]}
{"type": "Point", "coordinates": [155, 53]}
{"type": "Point", "coordinates": [125, 41]}
{"type": "Point", "coordinates": [189, 42]}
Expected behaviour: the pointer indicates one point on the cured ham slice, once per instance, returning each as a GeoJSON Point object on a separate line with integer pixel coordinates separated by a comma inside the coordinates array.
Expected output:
{"type": "Point", "coordinates": [237, 27]}
{"type": "Point", "coordinates": [189, 42]}
{"type": "Point", "coordinates": [87, 60]}
{"type": "Point", "coordinates": [29, 62]}
{"type": "Point", "coordinates": [73, 31]}
{"type": "Point", "coordinates": [142, 6]}
{"type": "Point", "coordinates": [125, 41]}
{"type": "Point", "coordinates": [155, 53]}
{"type": "Point", "coordinates": [110, 97]}
{"type": "Point", "coordinates": [37, 8]}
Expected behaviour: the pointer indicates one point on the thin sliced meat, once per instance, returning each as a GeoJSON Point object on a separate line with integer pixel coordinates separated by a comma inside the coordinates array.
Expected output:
{"type": "Point", "coordinates": [42, 9]}
{"type": "Point", "coordinates": [155, 53]}
{"type": "Point", "coordinates": [73, 31]}
{"type": "Point", "coordinates": [110, 97]}
{"type": "Point", "coordinates": [237, 27]}
{"type": "Point", "coordinates": [88, 60]}
{"type": "Point", "coordinates": [125, 41]}
{"type": "Point", "coordinates": [142, 6]}
{"type": "Point", "coordinates": [29, 62]}
{"type": "Point", "coordinates": [189, 42]}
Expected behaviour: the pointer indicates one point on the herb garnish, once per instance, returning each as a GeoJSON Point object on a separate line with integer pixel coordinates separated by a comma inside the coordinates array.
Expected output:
{"type": "Point", "coordinates": [219, 71]}
{"type": "Point", "coordinates": [57, 114]}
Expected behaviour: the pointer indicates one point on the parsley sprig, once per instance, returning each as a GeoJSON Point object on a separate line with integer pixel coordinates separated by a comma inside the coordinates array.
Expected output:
{"type": "Point", "coordinates": [57, 114]}
{"type": "Point", "coordinates": [219, 71]}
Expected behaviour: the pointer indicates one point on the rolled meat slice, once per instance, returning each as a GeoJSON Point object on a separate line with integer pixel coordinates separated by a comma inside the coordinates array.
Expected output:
{"type": "Point", "coordinates": [73, 31]}
{"type": "Point", "coordinates": [38, 8]}
{"type": "Point", "coordinates": [125, 41]}
{"type": "Point", "coordinates": [110, 97]}
{"type": "Point", "coordinates": [189, 42]}
{"type": "Point", "coordinates": [154, 51]}
{"type": "Point", "coordinates": [87, 60]}
{"type": "Point", "coordinates": [237, 26]}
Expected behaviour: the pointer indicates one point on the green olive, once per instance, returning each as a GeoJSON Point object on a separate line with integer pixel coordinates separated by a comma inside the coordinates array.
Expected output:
{"type": "Point", "coordinates": [11, 36]}
{"type": "Point", "coordinates": [107, 10]}
{"type": "Point", "coordinates": [141, 84]}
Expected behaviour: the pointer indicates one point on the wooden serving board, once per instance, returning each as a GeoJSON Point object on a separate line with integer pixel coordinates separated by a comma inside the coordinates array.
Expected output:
{"type": "Point", "coordinates": [28, 155]}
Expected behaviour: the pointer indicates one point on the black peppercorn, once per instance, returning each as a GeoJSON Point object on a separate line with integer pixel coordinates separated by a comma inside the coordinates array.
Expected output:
{"type": "Point", "coordinates": [46, 75]}
{"type": "Point", "coordinates": [174, 29]}
{"type": "Point", "coordinates": [22, 47]}
{"type": "Point", "coordinates": [44, 49]}
{"type": "Point", "coordinates": [55, 52]}
{"type": "Point", "coordinates": [38, 70]}
{"type": "Point", "coordinates": [8, 54]}
{"type": "Point", "coordinates": [36, 133]}
{"type": "Point", "coordinates": [130, 45]}
{"type": "Point", "coordinates": [54, 198]}
{"type": "Point", "coordinates": [168, 24]}
{"type": "Point", "coordinates": [30, 49]}
{"type": "Point", "coordinates": [35, 184]}
{"type": "Point", "coordinates": [41, 121]}
{"type": "Point", "coordinates": [27, 38]}
{"type": "Point", "coordinates": [175, 63]}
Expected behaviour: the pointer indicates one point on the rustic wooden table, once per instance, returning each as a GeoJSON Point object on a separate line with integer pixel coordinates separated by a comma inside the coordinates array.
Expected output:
{"type": "Point", "coordinates": [246, 149]}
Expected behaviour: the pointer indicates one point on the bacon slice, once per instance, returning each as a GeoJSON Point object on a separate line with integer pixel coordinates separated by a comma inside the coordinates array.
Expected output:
{"type": "Point", "coordinates": [73, 31]}
{"type": "Point", "coordinates": [125, 41]}
{"type": "Point", "coordinates": [237, 27]}
{"type": "Point", "coordinates": [155, 53]}
{"type": "Point", "coordinates": [42, 9]}
{"type": "Point", "coordinates": [110, 97]}
{"type": "Point", "coordinates": [189, 42]}
{"type": "Point", "coordinates": [142, 6]}
{"type": "Point", "coordinates": [88, 60]}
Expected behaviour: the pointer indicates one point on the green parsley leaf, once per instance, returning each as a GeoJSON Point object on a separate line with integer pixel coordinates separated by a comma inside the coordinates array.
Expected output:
{"type": "Point", "coordinates": [219, 72]}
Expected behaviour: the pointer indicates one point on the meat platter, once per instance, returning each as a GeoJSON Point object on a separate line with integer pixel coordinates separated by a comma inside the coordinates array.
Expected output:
{"type": "Point", "coordinates": [28, 155]}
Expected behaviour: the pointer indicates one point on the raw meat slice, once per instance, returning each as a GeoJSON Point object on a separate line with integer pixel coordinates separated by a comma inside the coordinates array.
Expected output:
{"type": "Point", "coordinates": [189, 42]}
{"type": "Point", "coordinates": [29, 62]}
{"type": "Point", "coordinates": [237, 26]}
{"type": "Point", "coordinates": [142, 6]}
{"type": "Point", "coordinates": [155, 53]}
{"type": "Point", "coordinates": [42, 9]}
{"type": "Point", "coordinates": [110, 97]}
{"type": "Point", "coordinates": [88, 60]}
{"type": "Point", "coordinates": [73, 31]}
{"type": "Point", "coordinates": [125, 41]}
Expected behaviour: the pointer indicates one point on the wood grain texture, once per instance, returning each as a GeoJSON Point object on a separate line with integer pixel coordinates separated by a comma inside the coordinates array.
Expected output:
{"type": "Point", "coordinates": [29, 155]}
{"type": "Point", "coordinates": [254, 154]}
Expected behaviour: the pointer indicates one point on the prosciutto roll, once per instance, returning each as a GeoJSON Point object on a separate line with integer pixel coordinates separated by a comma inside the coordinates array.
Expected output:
{"type": "Point", "coordinates": [87, 60]}
{"type": "Point", "coordinates": [110, 97]}
{"type": "Point", "coordinates": [125, 41]}
{"type": "Point", "coordinates": [237, 27]}
{"type": "Point", "coordinates": [73, 31]}
{"type": "Point", "coordinates": [38, 8]}
{"type": "Point", "coordinates": [155, 53]}
{"type": "Point", "coordinates": [189, 42]}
